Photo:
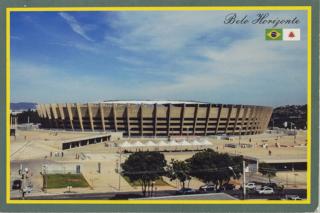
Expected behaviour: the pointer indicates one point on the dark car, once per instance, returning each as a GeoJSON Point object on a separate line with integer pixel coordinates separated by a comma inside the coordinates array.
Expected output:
{"type": "Point", "coordinates": [184, 191]}
{"type": "Point", "coordinates": [16, 184]}
{"type": "Point", "coordinates": [207, 188]}
{"type": "Point", "coordinates": [228, 186]}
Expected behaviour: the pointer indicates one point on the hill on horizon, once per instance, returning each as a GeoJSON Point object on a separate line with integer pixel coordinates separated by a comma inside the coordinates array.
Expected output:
{"type": "Point", "coordinates": [23, 106]}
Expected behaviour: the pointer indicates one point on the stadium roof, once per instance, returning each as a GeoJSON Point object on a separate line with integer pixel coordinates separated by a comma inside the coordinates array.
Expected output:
{"type": "Point", "coordinates": [153, 102]}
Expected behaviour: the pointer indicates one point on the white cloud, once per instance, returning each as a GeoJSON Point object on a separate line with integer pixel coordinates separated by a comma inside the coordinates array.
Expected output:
{"type": "Point", "coordinates": [131, 61]}
{"type": "Point", "coordinates": [92, 47]}
{"type": "Point", "coordinates": [45, 83]}
{"type": "Point", "coordinates": [166, 31]}
{"type": "Point", "coordinates": [75, 25]}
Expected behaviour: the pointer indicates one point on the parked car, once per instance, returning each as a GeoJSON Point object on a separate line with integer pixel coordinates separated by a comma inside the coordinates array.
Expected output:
{"type": "Point", "coordinates": [265, 191]}
{"type": "Point", "coordinates": [228, 186]}
{"type": "Point", "coordinates": [207, 188]}
{"type": "Point", "coordinates": [251, 186]}
{"type": "Point", "coordinates": [293, 197]}
{"type": "Point", "coordinates": [184, 191]}
{"type": "Point", "coordinates": [16, 184]}
{"type": "Point", "coordinates": [27, 189]}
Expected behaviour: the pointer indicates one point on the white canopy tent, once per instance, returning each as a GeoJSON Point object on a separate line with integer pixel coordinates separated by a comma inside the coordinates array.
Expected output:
{"type": "Point", "coordinates": [162, 143]}
{"type": "Point", "coordinates": [206, 142]}
{"type": "Point", "coordinates": [126, 144]}
{"type": "Point", "coordinates": [138, 144]}
{"type": "Point", "coordinates": [150, 143]}
{"type": "Point", "coordinates": [173, 143]}
{"type": "Point", "coordinates": [185, 143]}
{"type": "Point", "coordinates": [196, 143]}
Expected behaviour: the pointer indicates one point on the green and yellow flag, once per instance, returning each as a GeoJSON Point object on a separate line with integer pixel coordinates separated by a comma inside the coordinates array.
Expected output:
{"type": "Point", "coordinates": [274, 34]}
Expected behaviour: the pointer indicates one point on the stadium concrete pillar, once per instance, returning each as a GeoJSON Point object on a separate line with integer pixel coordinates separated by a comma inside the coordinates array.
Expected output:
{"type": "Point", "coordinates": [90, 117]}
{"type": "Point", "coordinates": [47, 108]}
{"type": "Point", "coordinates": [155, 120]}
{"type": "Point", "coordinates": [267, 116]}
{"type": "Point", "coordinates": [128, 121]}
{"type": "Point", "coordinates": [182, 118]}
{"type": "Point", "coordinates": [38, 110]}
{"type": "Point", "coordinates": [237, 118]}
{"type": "Point", "coordinates": [262, 119]}
{"type": "Point", "coordinates": [62, 116]}
{"type": "Point", "coordinates": [55, 114]}
{"type": "Point", "coordinates": [114, 113]}
{"type": "Point", "coordinates": [42, 113]}
{"type": "Point", "coordinates": [218, 120]}
{"type": "Point", "coordinates": [244, 117]}
{"type": "Point", "coordinates": [102, 117]}
{"type": "Point", "coordinates": [249, 120]}
{"type": "Point", "coordinates": [195, 119]}
{"type": "Point", "coordinates": [253, 120]}
{"type": "Point", "coordinates": [80, 116]}
{"type": "Point", "coordinates": [228, 118]}
{"type": "Point", "coordinates": [169, 119]}
{"type": "Point", "coordinates": [141, 119]}
{"type": "Point", "coordinates": [258, 120]}
{"type": "Point", "coordinates": [209, 106]}
{"type": "Point", "coordinates": [70, 115]}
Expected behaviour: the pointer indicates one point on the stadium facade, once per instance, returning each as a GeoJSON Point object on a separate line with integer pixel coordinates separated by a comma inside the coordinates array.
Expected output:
{"type": "Point", "coordinates": [156, 118]}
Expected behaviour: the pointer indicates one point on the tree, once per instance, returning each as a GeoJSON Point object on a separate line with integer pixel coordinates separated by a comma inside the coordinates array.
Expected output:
{"type": "Point", "coordinates": [267, 170]}
{"type": "Point", "coordinates": [31, 116]}
{"type": "Point", "coordinates": [178, 170]}
{"type": "Point", "coordinates": [144, 167]}
{"type": "Point", "coordinates": [215, 168]}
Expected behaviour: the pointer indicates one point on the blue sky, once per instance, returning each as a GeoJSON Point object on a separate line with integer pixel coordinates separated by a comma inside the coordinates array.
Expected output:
{"type": "Point", "coordinates": [187, 55]}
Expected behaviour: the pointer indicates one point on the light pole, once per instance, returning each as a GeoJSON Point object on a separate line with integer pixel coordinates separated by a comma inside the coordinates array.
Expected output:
{"type": "Point", "coordinates": [232, 171]}
{"type": "Point", "coordinates": [244, 178]}
{"type": "Point", "coordinates": [152, 185]}
{"type": "Point", "coordinates": [286, 176]}
{"type": "Point", "coordinates": [119, 172]}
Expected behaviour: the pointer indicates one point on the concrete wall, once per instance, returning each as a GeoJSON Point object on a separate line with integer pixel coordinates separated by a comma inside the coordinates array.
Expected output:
{"type": "Point", "coordinates": [157, 119]}
{"type": "Point", "coordinates": [60, 168]}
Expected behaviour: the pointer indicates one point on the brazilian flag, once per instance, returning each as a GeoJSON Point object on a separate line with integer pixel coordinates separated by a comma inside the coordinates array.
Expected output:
{"type": "Point", "coordinates": [273, 34]}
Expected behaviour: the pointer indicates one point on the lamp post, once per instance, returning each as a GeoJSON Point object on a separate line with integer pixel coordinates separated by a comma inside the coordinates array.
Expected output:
{"type": "Point", "coordinates": [232, 171]}
{"type": "Point", "coordinates": [286, 176]}
{"type": "Point", "coordinates": [119, 168]}
{"type": "Point", "coordinates": [152, 185]}
{"type": "Point", "coordinates": [244, 179]}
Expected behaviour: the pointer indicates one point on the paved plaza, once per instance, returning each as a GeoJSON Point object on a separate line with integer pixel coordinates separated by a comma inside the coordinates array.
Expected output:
{"type": "Point", "coordinates": [34, 148]}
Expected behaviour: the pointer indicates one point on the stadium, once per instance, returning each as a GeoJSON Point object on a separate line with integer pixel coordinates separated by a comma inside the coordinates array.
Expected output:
{"type": "Point", "coordinates": [156, 118]}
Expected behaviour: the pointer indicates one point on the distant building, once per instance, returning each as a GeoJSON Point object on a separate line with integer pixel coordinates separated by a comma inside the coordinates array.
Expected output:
{"type": "Point", "coordinates": [157, 118]}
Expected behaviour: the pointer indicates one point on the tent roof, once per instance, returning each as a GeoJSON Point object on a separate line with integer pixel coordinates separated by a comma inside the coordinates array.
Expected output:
{"type": "Point", "coordinates": [184, 143]}
{"type": "Point", "coordinates": [206, 142]}
{"type": "Point", "coordinates": [150, 143]}
{"type": "Point", "coordinates": [196, 143]}
{"type": "Point", "coordinates": [173, 143]}
{"type": "Point", "coordinates": [125, 144]}
{"type": "Point", "coordinates": [162, 143]}
{"type": "Point", "coordinates": [138, 143]}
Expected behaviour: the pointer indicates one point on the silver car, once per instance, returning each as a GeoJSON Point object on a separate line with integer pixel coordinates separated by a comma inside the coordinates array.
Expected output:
{"type": "Point", "coordinates": [265, 191]}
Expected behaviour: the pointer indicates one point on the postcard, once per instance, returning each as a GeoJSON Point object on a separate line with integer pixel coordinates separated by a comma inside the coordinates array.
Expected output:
{"type": "Point", "coordinates": [185, 108]}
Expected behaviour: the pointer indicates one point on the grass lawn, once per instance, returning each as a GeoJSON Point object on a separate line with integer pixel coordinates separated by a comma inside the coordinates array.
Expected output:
{"type": "Point", "coordinates": [158, 182]}
{"type": "Point", "coordinates": [64, 180]}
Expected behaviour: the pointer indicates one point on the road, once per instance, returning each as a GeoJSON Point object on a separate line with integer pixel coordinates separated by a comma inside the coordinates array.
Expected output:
{"type": "Point", "coordinates": [127, 195]}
